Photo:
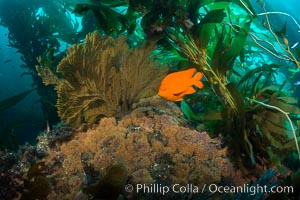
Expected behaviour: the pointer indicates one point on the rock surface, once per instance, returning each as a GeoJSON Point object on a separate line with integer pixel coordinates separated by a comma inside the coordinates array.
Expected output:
{"type": "Point", "coordinates": [156, 144]}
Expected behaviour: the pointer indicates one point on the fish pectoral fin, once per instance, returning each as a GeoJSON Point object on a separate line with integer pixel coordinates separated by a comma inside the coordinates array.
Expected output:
{"type": "Point", "coordinates": [178, 94]}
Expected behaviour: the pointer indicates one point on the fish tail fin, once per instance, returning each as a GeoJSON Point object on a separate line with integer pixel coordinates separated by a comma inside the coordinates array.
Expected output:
{"type": "Point", "coordinates": [197, 80]}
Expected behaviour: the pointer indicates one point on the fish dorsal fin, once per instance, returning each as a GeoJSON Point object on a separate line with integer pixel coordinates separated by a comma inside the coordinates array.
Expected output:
{"type": "Point", "coordinates": [190, 72]}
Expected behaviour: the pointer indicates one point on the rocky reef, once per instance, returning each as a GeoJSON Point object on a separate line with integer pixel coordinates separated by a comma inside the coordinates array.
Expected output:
{"type": "Point", "coordinates": [154, 142]}
{"type": "Point", "coordinates": [152, 145]}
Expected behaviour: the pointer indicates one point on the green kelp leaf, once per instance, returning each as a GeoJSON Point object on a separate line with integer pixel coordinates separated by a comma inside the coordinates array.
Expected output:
{"type": "Point", "coordinates": [212, 115]}
{"type": "Point", "coordinates": [218, 5]}
{"type": "Point", "coordinates": [297, 69]}
{"type": "Point", "coordinates": [217, 55]}
{"type": "Point", "coordinates": [276, 118]}
{"type": "Point", "coordinates": [288, 100]}
{"type": "Point", "coordinates": [239, 3]}
{"type": "Point", "coordinates": [279, 129]}
{"type": "Point", "coordinates": [297, 54]}
{"type": "Point", "coordinates": [265, 93]}
{"type": "Point", "coordinates": [185, 64]}
{"type": "Point", "coordinates": [207, 25]}
{"type": "Point", "coordinates": [269, 90]}
{"type": "Point", "coordinates": [114, 3]}
{"type": "Point", "coordinates": [237, 44]}
{"type": "Point", "coordinates": [282, 32]}
{"type": "Point", "coordinates": [281, 136]}
{"type": "Point", "coordinates": [148, 20]}
{"type": "Point", "coordinates": [256, 85]}
{"type": "Point", "coordinates": [234, 112]}
{"type": "Point", "coordinates": [219, 61]}
{"type": "Point", "coordinates": [214, 16]}
{"type": "Point", "coordinates": [235, 119]}
{"type": "Point", "coordinates": [141, 6]}
{"type": "Point", "coordinates": [228, 47]}
{"type": "Point", "coordinates": [129, 21]}
{"type": "Point", "coordinates": [162, 14]}
{"type": "Point", "coordinates": [272, 96]}
{"type": "Point", "coordinates": [290, 143]}
{"type": "Point", "coordinates": [284, 105]}
{"type": "Point", "coordinates": [188, 113]}
{"type": "Point", "coordinates": [108, 20]}
{"type": "Point", "coordinates": [277, 134]}
{"type": "Point", "coordinates": [266, 132]}
{"type": "Point", "coordinates": [205, 33]}
{"type": "Point", "coordinates": [251, 73]}
{"type": "Point", "coordinates": [12, 101]}
{"type": "Point", "coordinates": [242, 56]}
{"type": "Point", "coordinates": [184, 46]}
{"type": "Point", "coordinates": [193, 8]}
{"type": "Point", "coordinates": [238, 98]}
{"type": "Point", "coordinates": [81, 9]}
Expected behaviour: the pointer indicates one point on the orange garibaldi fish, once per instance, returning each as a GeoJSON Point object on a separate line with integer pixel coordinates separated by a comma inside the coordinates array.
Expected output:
{"type": "Point", "coordinates": [178, 84]}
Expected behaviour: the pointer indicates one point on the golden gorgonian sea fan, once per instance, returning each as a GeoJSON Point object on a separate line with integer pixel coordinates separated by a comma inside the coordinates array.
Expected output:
{"type": "Point", "coordinates": [103, 77]}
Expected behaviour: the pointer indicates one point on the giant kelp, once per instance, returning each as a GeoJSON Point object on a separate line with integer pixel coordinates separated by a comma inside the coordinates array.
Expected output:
{"type": "Point", "coordinates": [102, 77]}
{"type": "Point", "coordinates": [155, 16]}
{"type": "Point", "coordinates": [213, 47]}
{"type": "Point", "coordinates": [249, 126]}
{"type": "Point", "coordinates": [12, 101]}
{"type": "Point", "coordinates": [7, 137]}
{"type": "Point", "coordinates": [33, 27]}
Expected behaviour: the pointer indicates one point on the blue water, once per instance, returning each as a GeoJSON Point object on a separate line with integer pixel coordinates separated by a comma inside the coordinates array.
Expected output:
{"type": "Point", "coordinates": [20, 123]}
{"type": "Point", "coordinates": [290, 7]}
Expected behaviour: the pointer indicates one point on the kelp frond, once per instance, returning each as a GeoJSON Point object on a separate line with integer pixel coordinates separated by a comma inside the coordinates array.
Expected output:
{"type": "Point", "coordinates": [12, 101]}
{"type": "Point", "coordinates": [103, 77]}
{"type": "Point", "coordinates": [272, 112]}
{"type": "Point", "coordinates": [188, 47]}
{"type": "Point", "coordinates": [286, 114]}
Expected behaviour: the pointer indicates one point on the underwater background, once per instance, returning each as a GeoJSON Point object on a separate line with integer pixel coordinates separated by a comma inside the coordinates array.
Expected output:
{"type": "Point", "coordinates": [90, 101]}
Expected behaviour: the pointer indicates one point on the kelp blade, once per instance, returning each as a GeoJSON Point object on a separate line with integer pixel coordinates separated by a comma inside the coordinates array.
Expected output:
{"type": "Point", "coordinates": [12, 101]}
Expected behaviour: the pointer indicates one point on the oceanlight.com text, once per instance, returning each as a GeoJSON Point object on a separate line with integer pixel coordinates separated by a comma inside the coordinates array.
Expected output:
{"type": "Point", "coordinates": [251, 189]}
{"type": "Point", "coordinates": [212, 188]}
